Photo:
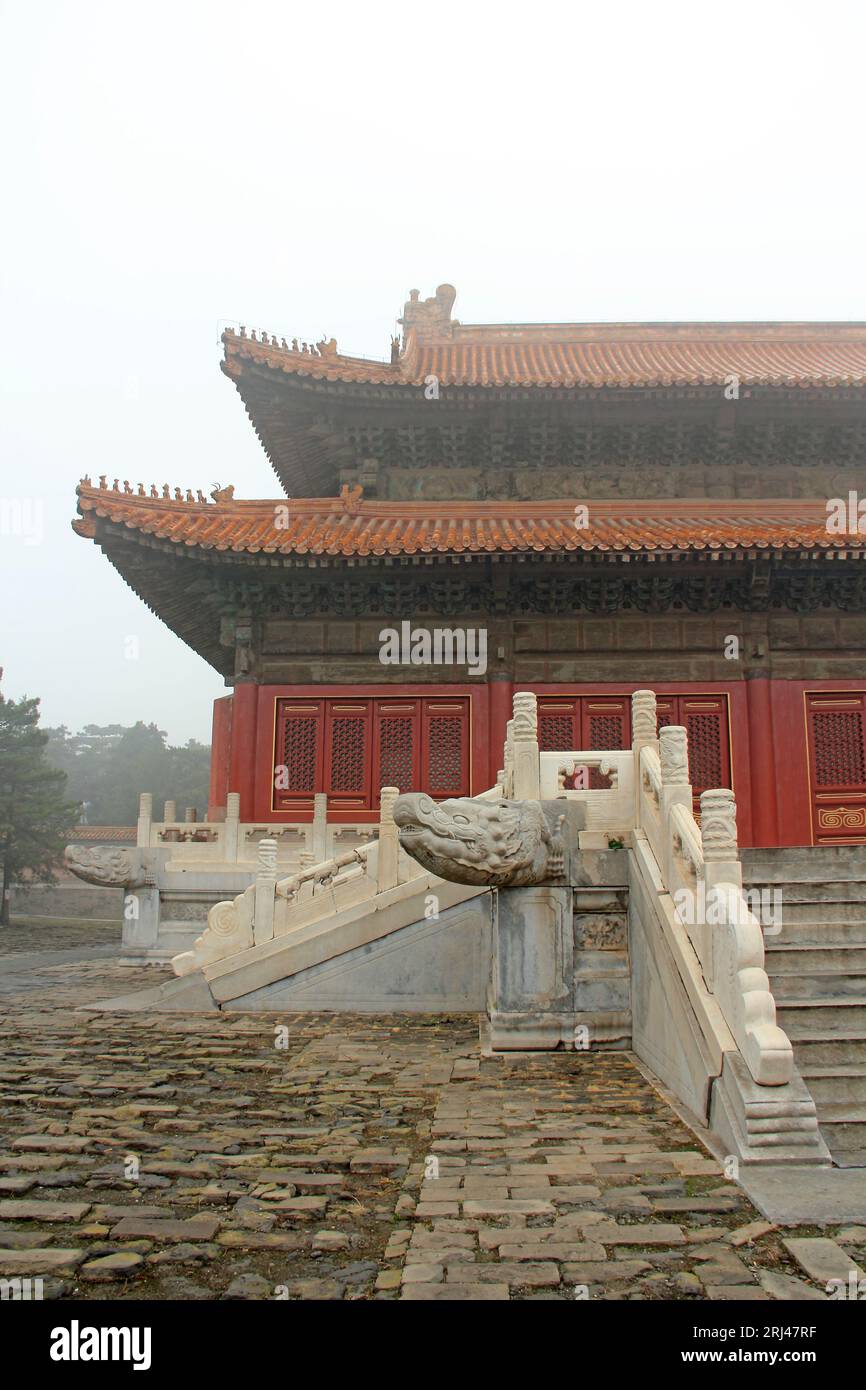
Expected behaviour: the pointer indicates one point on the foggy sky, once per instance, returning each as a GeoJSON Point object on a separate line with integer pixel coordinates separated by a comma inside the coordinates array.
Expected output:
{"type": "Point", "coordinates": [171, 167]}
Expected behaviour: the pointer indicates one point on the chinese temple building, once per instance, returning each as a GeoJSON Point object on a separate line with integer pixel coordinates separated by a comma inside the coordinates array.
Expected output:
{"type": "Point", "coordinates": [577, 510]}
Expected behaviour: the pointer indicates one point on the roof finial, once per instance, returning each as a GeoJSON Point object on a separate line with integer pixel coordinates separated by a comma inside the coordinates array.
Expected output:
{"type": "Point", "coordinates": [430, 318]}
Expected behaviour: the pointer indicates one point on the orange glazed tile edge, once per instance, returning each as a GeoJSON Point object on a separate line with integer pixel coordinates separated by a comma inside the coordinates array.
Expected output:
{"type": "Point", "coordinates": [323, 527]}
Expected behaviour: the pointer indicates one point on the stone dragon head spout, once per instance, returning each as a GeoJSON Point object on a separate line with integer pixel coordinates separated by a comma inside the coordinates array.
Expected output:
{"type": "Point", "coordinates": [497, 844]}
{"type": "Point", "coordinates": [107, 866]}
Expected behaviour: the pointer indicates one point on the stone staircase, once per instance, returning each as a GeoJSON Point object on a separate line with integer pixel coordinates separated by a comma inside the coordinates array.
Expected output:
{"type": "Point", "coordinates": [817, 969]}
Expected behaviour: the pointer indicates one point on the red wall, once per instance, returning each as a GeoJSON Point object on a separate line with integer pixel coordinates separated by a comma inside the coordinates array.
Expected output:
{"type": "Point", "coordinates": [219, 757]}
{"type": "Point", "coordinates": [769, 759]}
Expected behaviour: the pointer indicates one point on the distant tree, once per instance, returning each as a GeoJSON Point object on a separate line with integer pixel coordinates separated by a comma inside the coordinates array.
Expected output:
{"type": "Point", "coordinates": [35, 817]}
{"type": "Point", "coordinates": [108, 766]}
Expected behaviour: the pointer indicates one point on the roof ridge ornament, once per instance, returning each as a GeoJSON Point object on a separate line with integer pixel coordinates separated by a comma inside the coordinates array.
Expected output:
{"type": "Point", "coordinates": [351, 498]}
{"type": "Point", "coordinates": [430, 318]}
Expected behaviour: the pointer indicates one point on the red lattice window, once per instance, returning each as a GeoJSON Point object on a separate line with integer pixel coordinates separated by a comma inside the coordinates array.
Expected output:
{"type": "Point", "coordinates": [555, 733]}
{"type": "Point", "coordinates": [347, 758]}
{"type": "Point", "coordinates": [705, 751]}
{"type": "Point", "coordinates": [396, 745]}
{"type": "Point", "coordinates": [297, 754]}
{"type": "Point", "coordinates": [839, 758]}
{"type": "Point", "coordinates": [837, 766]}
{"type": "Point", "coordinates": [350, 749]}
{"type": "Point", "coordinates": [446, 751]}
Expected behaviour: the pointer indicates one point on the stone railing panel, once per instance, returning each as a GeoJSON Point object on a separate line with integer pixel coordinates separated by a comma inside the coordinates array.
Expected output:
{"type": "Point", "coordinates": [565, 776]}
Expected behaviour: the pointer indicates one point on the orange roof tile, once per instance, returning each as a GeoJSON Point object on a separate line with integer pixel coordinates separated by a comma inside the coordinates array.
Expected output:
{"type": "Point", "coordinates": [104, 834]}
{"type": "Point", "coordinates": [641, 355]}
{"type": "Point", "coordinates": [349, 526]}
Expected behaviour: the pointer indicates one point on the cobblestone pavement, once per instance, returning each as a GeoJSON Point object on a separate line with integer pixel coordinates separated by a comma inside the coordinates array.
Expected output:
{"type": "Point", "coordinates": [296, 1156]}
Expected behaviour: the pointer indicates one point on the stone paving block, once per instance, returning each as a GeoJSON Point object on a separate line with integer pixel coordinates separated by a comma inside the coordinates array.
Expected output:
{"type": "Point", "coordinates": [377, 1161]}
{"type": "Point", "coordinates": [43, 1211]}
{"type": "Point", "coordinates": [423, 1274]}
{"type": "Point", "coordinates": [641, 1233]}
{"type": "Point", "coordinates": [688, 1205]}
{"type": "Point", "coordinates": [543, 1274]}
{"type": "Point", "coordinates": [301, 1208]}
{"type": "Point", "coordinates": [53, 1143]}
{"type": "Point", "coordinates": [452, 1293]}
{"type": "Point", "coordinates": [110, 1267]}
{"type": "Point", "coordinates": [822, 1259]}
{"type": "Point", "coordinates": [753, 1230]}
{"type": "Point", "coordinates": [513, 1207]}
{"type": "Point", "coordinates": [788, 1289]}
{"type": "Point", "coordinates": [194, 1228]}
{"type": "Point", "coordinates": [711, 1274]}
{"type": "Point", "coordinates": [736, 1294]}
{"type": "Point", "coordinates": [35, 1261]}
{"type": "Point", "coordinates": [603, 1272]}
{"type": "Point", "coordinates": [549, 1250]}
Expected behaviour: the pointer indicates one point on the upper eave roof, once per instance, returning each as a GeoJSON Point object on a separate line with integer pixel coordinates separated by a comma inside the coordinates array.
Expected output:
{"type": "Point", "coordinates": [575, 356]}
{"type": "Point", "coordinates": [349, 527]}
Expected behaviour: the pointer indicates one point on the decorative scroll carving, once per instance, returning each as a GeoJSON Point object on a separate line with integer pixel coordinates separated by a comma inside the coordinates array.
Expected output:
{"type": "Point", "coordinates": [229, 930]}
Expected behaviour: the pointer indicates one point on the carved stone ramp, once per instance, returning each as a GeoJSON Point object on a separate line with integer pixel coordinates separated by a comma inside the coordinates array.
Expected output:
{"type": "Point", "coordinates": [392, 953]}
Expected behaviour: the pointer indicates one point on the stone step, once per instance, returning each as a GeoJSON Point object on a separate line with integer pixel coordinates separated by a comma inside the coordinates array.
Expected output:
{"type": "Point", "coordinates": [817, 1047]}
{"type": "Point", "coordinates": [850, 913]}
{"type": "Point", "coordinates": [815, 933]}
{"type": "Point", "coordinates": [808, 958]}
{"type": "Point", "coordinates": [844, 890]}
{"type": "Point", "coordinates": [805, 864]}
{"type": "Point", "coordinates": [840, 1084]}
{"type": "Point", "coordinates": [813, 957]}
{"type": "Point", "coordinates": [843, 1125]}
{"type": "Point", "coordinates": [804, 1017]}
{"type": "Point", "coordinates": [816, 985]}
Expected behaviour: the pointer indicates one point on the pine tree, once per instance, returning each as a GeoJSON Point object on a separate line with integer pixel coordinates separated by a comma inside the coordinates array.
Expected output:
{"type": "Point", "coordinates": [35, 820]}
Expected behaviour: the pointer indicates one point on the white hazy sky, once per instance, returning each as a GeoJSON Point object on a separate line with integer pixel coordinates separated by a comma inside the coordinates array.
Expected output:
{"type": "Point", "coordinates": [166, 166]}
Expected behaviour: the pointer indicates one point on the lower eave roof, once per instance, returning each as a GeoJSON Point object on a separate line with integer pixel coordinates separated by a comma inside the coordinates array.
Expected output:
{"type": "Point", "coordinates": [347, 526]}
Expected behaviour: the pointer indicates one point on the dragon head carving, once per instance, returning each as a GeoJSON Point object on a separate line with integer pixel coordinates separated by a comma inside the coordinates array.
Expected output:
{"type": "Point", "coordinates": [107, 866]}
{"type": "Point", "coordinates": [497, 844]}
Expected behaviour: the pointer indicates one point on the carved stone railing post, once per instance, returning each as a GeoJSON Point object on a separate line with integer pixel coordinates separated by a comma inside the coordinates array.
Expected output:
{"type": "Point", "coordinates": [643, 735]}
{"type": "Point", "coordinates": [231, 827]}
{"type": "Point", "coordinates": [508, 759]}
{"type": "Point", "coordinates": [266, 886]}
{"type": "Point", "coordinates": [145, 820]}
{"type": "Point", "coordinates": [527, 786]}
{"type": "Point", "coordinates": [676, 787]}
{"type": "Point", "coordinates": [720, 850]}
{"type": "Point", "coordinates": [318, 840]}
{"type": "Point", "coordinates": [169, 814]}
{"type": "Point", "coordinates": [389, 842]}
